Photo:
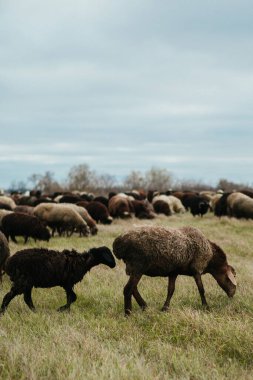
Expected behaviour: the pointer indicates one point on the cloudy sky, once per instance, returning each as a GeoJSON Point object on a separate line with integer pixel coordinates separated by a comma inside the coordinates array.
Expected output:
{"type": "Point", "coordinates": [126, 85]}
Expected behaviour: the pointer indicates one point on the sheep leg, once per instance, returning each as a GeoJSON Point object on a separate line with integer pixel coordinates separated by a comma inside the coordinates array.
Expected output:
{"type": "Point", "coordinates": [71, 297]}
{"type": "Point", "coordinates": [8, 297]}
{"type": "Point", "coordinates": [26, 239]}
{"type": "Point", "coordinates": [28, 298]}
{"type": "Point", "coordinates": [128, 291]}
{"type": "Point", "coordinates": [199, 283]}
{"type": "Point", "coordinates": [138, 297]}
{"type": "Point", "coordinates": [171, 289]}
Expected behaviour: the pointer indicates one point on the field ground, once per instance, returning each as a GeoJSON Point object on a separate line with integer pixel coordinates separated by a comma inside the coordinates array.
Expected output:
{"type": "Point", "coordinates": [95, 341]}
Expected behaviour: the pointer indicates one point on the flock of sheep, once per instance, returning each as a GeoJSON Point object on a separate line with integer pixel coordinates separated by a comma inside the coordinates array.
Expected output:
{"type": "Point", "coordinates": [151, 251]}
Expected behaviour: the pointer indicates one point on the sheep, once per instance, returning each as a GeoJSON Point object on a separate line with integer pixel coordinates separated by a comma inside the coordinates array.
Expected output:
{"type": "Point", "coordinates": [198, 204]}
{"type": "Point", "coordinates": [43, 268]}
{"type": "Point", "coordinates": [7, 201]}
{"type": "Point", "coordinates": [4, 253]}
{"type": "Point", "coordinates": [2, 215]}
{"type": "Point", "coordinates": [169, 252]}
{"type": "Point", "coordinates": [85, 215]}
{"type": "Point", "coordinates": [120, 206]}
{"type": "Point", "coordinates": [240, 205]}
{"type": "Point", "coordinates": [98, 211]}
{"type": "Point", "coordinates": [221, 207]}
{"type": "Point", "coordinates": [102, 199]}
{"type": "Point", "coordinates": [161, 207]}
{"type": "Point", "coordinates": [175, 204]}
{"type": "Point", "coordinates": [20, 224]}
{"type": "Point", "coordinates": [142, 209]}
{"type": "Point", "coordinates": [62, 218]}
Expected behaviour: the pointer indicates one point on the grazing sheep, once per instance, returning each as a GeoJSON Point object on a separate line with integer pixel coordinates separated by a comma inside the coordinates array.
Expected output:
{"type": "Point", "coordinates": [61, 218]}
{"type": "Point", "coordinates": [20, 224]}
{"type": "Point", "coordinates": [221, 207]}
{"type": "Point", "coordinates": [214, 200]}
{"type": "Point", "coordinates": [85, 215]}
{"type": "Point", "coordinates": [42, 268]}
{"type": "Point", "coordinates": [198, 205]}
{"type": "Point", "coordinates": [4, 253]}
{"type": "Point", "coordinates": [98, 211]}
{"type": "Point", "coordinates": [169, 252]}
{"type": "Point", "coordinates": [102, 199]}
{"type": "Point", "coordinates": [7, 201]}
{"type": "Point", "coordinates": [175, 204]}
{"type": "Point", "coordinates": [142, 210]}
{"type": "Point", "coordinates": [240, 206]}
{"type": "Point", "coordinates": [70, 198]}
{"type": "Point", "coordinates": [161, 207]}
{"type": "Point", "coordinates": [120, 206]}
{"type": "Point", "coordinates": [2, 215]}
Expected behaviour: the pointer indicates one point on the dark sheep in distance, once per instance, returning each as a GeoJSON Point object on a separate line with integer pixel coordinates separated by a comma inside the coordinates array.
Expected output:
{"type": "Point", "coordinates": [221, 207]}
{"type": "Point", "coordinates": [70, 198]}
{"type": "Point", "coordinates": [120, 206]}
{"type": "Point", "coordinates": [141, 210]}
{"type": "Point", "coordinates": [98, 212]}
{"type": "Point", "coordinates": [20, 224]}
{"type": "Point", "coordinates": [4, 253]}
{"type": "Point", "coordinates": [169, 252]}
{"type": "Point", "coordinates": [161, 207]}
{"type": "Point", "coordinates": [198, 205]}
{"type": "Point", "coordinates": [102, 199]}
{"type": "Point", "coordinates": [42, 268]}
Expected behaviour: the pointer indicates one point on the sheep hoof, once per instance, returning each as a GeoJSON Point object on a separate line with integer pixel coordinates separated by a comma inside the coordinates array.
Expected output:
{"type": "Point", "coordinates": [206, 307]}
{"type": "Point", "coordinates": [165, 308]}
{"type": "Point", "coordinates": [128, 312]}
{"type": "Point", "coordinates": [144, 307]}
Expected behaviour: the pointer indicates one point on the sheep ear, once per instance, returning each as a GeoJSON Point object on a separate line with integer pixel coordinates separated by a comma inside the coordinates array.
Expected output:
{"type": "Point", "coordinates": [231, 277]}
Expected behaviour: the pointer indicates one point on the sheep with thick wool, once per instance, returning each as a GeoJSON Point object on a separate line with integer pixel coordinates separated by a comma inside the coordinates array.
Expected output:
{"type": "Point", "coordinates": [240, 205]}
{"type": "Point", "coordinates": [43, 268]}
{"type": "Point", "coordinates": [174, 203]}
{"type": "Point", "coordinates": [20, 224]}
{"type": "Point", "coordinates": [169, 252]}
{"type": "Point", "coordinates": [61, 218]}
{"type": "Point", "coordinates": [7, 201]}
{"type": "Point", "coordinates": [120, 206]}
{"type": "Point", "coordinates": [85, 215]}
{"type": "Point", "coordinates": [2, 215]}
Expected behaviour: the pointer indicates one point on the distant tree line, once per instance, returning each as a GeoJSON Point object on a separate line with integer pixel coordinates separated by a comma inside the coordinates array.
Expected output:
{"type": "Point", "coordinates": [81, 177]}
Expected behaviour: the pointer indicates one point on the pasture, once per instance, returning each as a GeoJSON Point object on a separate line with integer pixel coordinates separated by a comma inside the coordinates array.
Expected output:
{"type": "Point", "coordinates": [95, 341]}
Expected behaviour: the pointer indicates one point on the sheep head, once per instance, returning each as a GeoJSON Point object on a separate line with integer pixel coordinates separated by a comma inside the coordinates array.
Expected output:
{"type": "Point", "coordinates": [226, 280]}
{"type": "Point", "coordinates": [103, 255]}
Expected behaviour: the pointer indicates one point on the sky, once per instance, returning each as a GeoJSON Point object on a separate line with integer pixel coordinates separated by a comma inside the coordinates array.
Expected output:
{"type": "Point", "coordinates": [125, 85]}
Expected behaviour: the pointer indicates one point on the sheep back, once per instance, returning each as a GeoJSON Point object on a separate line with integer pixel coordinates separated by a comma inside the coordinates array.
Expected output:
{"type": "Point", "coordinates": [158, 251]}
{"type": "Point", "coordinates": [44, 268]}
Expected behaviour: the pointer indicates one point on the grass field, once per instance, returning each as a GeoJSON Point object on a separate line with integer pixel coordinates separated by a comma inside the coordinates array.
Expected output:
{"type": "Point", "coordinates": [95, 341]}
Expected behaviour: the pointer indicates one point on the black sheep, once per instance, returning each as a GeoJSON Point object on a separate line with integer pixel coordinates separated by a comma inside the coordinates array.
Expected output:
{"type": "Point", "coordinates": [21, 224]}
{"type": "Point", "coordinates": [43, 268]}
{"type": "Point", "coordinates": [99, 212]}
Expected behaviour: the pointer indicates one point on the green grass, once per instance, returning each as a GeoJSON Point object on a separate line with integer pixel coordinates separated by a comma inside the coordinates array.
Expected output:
{"type": "Point", "coordinates": [95, 341]}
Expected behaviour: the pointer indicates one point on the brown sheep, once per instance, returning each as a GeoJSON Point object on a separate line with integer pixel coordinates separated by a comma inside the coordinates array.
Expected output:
{"type": "Point", "coordinates": [169, 252]}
